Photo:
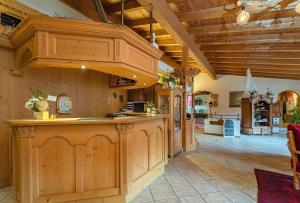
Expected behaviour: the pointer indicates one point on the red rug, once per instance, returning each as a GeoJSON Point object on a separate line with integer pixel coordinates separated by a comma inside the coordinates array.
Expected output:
{"type": "Point", "coordinates": [275, 188]}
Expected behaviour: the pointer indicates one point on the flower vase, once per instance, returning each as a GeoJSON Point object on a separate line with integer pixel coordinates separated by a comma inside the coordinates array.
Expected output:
{"type": "Point", "coordinates": [44, 115]}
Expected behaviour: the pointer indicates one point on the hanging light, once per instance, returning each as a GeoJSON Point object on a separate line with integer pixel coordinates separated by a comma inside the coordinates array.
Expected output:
{"type": "Point", "coordinates": [243, 17]}
{"type": "Point", "coordinates": [297, 9]}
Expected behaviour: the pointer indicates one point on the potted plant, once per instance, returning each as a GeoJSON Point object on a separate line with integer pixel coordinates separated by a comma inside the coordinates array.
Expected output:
{"type": "Point", "coordinates": [38, 105]}
{"type": "Point", "coordinates": [169, 80]}
{"type": "Point", "coordinates": [149, 107]}
{"type": "Point", "coordinates": [294, 116]}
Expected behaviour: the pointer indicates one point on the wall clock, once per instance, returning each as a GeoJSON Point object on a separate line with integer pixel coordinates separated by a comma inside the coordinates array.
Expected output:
{"type": "Point", "coordinates": [64, 104]}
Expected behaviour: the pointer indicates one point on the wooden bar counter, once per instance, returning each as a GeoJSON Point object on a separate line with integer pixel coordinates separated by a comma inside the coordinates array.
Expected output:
{"type": "Point", "coordinates": [88, 160]}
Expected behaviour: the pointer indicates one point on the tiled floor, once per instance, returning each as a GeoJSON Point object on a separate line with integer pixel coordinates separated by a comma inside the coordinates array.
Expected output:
{"type": "Point", "coordinates": [220, 170]}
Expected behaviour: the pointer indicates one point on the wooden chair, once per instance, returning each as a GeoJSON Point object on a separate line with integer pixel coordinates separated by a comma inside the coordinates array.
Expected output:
{"type": "Point", "coordinates": [295, 152]}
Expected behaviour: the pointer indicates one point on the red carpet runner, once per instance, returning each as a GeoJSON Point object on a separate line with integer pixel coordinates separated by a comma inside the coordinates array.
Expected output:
{"type": "Point", "coordinates": [275, 188]}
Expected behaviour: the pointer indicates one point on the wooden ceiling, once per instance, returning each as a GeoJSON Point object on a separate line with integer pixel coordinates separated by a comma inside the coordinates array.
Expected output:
{"type": "Point", "coordinates": [269, 44]}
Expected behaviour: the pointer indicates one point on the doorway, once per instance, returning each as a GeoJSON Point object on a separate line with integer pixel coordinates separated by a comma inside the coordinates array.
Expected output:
{"type": "Point", "coordinates": [287, 100]}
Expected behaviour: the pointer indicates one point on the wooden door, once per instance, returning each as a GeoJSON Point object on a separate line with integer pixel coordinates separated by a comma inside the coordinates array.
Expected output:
{"type": "Point", "coordinates": [177, 119]}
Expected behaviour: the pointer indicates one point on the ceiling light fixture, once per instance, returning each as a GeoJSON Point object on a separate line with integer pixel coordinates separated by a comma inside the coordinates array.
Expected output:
{"type": "Point", "coordinates": [83, 67]}
{"type": "Point", "coordinates": [243, 17]}
{"type": "Point", "coordinates": [297, 9]}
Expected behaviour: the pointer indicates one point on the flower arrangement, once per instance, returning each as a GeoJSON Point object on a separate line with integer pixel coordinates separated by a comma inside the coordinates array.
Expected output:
{"type": "Point", "coordinates": [38, 102]}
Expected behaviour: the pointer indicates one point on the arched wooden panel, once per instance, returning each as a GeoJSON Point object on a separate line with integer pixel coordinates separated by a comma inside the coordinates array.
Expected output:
{"type": "Point", "coordinates": [56, 167]}
{"type": "Point", "coordinates": [100, 161]}
{"type": "Point", "coordinates": [140, 154]}
{"type": "Point", "coordinates": [156, 147]}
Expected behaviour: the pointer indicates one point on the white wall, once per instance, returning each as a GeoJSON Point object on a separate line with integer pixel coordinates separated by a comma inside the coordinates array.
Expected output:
{"type": "Point", "coordinates": [226, 83]}
{"type": "Point", "coordinates": [53, 8]}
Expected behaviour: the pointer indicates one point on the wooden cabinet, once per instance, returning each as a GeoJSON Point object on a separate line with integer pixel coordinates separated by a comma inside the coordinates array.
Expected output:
{"type": "Point", "coordinates": [256, 115]}
{"type": "Point", "coordinates": [170, 101]}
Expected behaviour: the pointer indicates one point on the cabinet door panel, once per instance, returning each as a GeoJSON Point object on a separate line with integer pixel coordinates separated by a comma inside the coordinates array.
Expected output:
{"type": "Point", "coordinates": [140, 154]}
{"type": "Point", "coordinates": [156, 147]}
{"type": "Point", "coordinates": [56, 172]}
{"type": "Point", "coordinates": [99, 164]}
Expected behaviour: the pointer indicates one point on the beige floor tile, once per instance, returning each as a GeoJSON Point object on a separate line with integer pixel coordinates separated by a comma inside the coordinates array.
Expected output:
{"type": "Point", "coordinates": [182, 190]}
{"type": "Point", "coordinates": [191, 199]}
{"type": "Point", "coordinates": [204, 187]}
{"type": "Point", "coordinates": [144, 196]}
{"type": "Point", "coordinates": [252, 192]}
{"type": "Point", "coordinates": [162, 192]}
{"type": "Point", "coordinates": [222, 185]}
{"type": "Point", "coordinates": [216, 197]}
{"type": "Point", "coordinates": [173, 200]}
{"type": "Point", "coordinates": [236, 196]}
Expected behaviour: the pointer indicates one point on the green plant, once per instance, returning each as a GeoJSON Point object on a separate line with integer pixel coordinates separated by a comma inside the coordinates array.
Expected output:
{"type": "Point", "coordinates": [149, 105]}
{"type": "Point", "coordinates": [169, 77]}
{"type": "Point", "coordinates": [294, 116]}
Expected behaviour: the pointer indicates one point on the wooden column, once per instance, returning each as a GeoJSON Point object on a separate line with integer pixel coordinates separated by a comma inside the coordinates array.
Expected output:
{"type": "Point", "coordinates": [184, 64]}
{"type": "Point", "coordinates": [188, 139]}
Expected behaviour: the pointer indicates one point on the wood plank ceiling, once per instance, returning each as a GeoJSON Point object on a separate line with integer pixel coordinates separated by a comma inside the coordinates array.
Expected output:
{"type": "Point", "coordinates": [269, 44]}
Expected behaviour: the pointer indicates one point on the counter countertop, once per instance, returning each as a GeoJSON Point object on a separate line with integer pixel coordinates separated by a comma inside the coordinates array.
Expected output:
{"type": "Point", "coordinates": [84, 121]}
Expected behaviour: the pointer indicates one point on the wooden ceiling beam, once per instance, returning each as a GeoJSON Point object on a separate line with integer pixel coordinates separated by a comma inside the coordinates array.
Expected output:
{"type": "Point", "coordinates": [166, 17]}
{"type": "Point", "coordinates": [139, 22]}
{"type": "Point", "coordinates": [252, 42]}
{"type": "Point", "coordinates": [234, 30]}
{"type": "Point", "coordinates": [263, 75]}
{"type": "Point", "coordinates": [158, 33]}
{"type": "Point", "coordinates": [268, 72]}
{"type": "Point", "coordinates": [254, 28]}
{"type": "Point", "coordinates": [295, 62]}
{"type": "Point", "coordinates": [171, 49]}
{"type": "Point", "coordinates": [252, 48]}
{"type": "Point", "coordinates": [128, 5]}
{"type": "Point", "coordinates": [257, 65]}
{"type": "Point", "coordinates": [245, 55]}
{"type": "Point", "coordinates": [211, 13]}
{"type": "Point", "coordinates": [209, 16]}
{"type": "Point", "coordinates": [239, 38]}
{"type": "Point", "coordinates": [167, 42]}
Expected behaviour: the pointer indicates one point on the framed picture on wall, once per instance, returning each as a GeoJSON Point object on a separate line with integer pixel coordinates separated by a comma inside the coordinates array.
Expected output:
{"type": "Point", "coordinates": [235, 98]}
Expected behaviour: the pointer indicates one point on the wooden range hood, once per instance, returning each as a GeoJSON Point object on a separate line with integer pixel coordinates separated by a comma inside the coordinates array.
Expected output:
{"type": "Point", "coordinates": [42, 41]}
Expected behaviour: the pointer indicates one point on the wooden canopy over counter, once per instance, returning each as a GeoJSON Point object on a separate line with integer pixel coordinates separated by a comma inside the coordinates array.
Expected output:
{"type": "Point", "coordinates": [87, 160]}
{"type": "Point", "coordinates": [42, 41]}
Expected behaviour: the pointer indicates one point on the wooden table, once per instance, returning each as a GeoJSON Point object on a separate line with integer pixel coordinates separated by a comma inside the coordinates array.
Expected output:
{"type": "Point", "coordinates": [87, 160]}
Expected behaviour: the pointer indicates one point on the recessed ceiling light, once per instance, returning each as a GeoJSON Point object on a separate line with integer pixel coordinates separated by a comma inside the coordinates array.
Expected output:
{"type": "Point", "coordinates": [134, 76]}
{"type": "Point", "coordinates": [145, 84]}
{"type": "Point", "coordinates": [83, 67]}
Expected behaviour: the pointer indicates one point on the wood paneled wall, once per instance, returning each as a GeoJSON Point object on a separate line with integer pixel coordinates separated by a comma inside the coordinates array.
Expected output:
{"type": "Point", "coordinates": [88, 89]}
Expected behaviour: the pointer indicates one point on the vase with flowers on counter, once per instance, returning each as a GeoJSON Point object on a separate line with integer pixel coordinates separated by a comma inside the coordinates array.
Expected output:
{"type": "Point", "coordinates": [38, 105]}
